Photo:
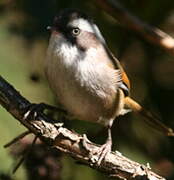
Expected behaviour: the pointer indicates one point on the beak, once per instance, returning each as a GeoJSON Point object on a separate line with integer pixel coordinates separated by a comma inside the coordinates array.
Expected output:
{"type": "Point", "coordinates": [52, 29]}
{"type": "Point", "coordinates": [49, 28]}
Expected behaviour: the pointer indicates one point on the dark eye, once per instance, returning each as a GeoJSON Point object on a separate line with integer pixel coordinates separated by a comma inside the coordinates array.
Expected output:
{"type": "Point", "coordinates": [75, 31]}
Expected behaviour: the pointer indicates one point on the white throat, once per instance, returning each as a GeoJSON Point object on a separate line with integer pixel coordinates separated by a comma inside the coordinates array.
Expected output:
{"type": "Point", "coordinates": [65, 52]}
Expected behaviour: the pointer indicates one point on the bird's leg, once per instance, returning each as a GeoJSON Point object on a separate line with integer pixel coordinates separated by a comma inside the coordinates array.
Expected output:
{"type": "Point", "coordinates": [105, 148]}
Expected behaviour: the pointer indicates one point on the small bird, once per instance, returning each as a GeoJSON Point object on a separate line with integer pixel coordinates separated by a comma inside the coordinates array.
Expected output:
{"type": "Point", "coordinates": [87, 79]}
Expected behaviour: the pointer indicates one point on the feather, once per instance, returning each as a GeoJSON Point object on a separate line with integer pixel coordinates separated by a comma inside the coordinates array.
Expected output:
{"type": "Point", "coordinates": [150, 118]}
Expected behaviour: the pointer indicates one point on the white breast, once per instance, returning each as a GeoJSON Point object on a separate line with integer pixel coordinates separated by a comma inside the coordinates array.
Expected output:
{"type": "Point", "coordinates": [85, 87]}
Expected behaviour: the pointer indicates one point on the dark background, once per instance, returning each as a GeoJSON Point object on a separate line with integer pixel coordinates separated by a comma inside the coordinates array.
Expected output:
{"type": "Point", "coordinates": [23, 43]}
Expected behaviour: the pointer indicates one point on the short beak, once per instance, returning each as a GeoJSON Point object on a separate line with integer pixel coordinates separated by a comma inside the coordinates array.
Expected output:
{"type": "Point", "coordinates": [52, 29]}
{"type": "Point", "coordinates": [49, 28]}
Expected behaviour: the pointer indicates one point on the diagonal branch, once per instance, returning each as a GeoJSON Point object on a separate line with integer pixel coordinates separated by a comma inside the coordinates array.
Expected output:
{"type": "Point", "coordinates": [152, 34]}
{"type": "Point", "coordinates": [56, 136]}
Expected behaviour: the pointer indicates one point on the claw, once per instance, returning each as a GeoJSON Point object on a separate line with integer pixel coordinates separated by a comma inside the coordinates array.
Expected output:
{"type": "Point", "coordinates": [33, 110]}
{"type": "Point", "coordinates": [103, 151]}
{"type": "Point", "coordinates": [97, 156]}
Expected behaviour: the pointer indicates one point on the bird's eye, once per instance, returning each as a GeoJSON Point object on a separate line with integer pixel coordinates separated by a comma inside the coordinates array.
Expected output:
{"type": "Point", "coordinates": [75, 31]}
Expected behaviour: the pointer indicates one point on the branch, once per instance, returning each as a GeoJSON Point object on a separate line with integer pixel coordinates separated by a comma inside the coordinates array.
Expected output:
{"type": "Point", "coordinates": [152, 34]}
{"type": "Point", "coordinates": [56, 136]}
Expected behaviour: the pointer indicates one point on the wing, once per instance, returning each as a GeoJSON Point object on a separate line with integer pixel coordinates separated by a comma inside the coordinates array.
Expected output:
{"type": "Point", "coordinates": [125, 85]}
{"type": "Point", "coordinates": [150, 118]}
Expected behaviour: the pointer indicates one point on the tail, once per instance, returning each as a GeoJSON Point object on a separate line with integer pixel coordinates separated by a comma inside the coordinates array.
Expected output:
{"type": "Point", "coordinates": [150, 118]}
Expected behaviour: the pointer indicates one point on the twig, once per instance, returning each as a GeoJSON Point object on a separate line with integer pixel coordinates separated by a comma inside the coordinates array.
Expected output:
{"type": "Point", "coordinates": [20, 136]}
{"type": "Point", "coordinates": [24, 156]}
{"type": "Point", "coordinates": [71, 143]}
{"type": "Point", "coordinates": [152, 34]}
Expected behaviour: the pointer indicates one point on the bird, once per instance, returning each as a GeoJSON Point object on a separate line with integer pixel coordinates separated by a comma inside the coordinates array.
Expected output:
{"type": "Point", "coordinates": [88, 81]}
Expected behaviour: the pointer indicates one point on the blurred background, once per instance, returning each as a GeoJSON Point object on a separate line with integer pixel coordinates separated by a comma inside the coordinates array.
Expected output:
{"type": "Point", "coordinates": [23, 44]}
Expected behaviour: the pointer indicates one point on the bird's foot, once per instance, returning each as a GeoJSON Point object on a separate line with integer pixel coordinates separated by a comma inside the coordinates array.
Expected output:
{"type": "Point", "coordinates": [103, 151]}
{"type": "Point", "coordinates": [33, 110]}
{"type": "Point", "coordinates": [97, 155]}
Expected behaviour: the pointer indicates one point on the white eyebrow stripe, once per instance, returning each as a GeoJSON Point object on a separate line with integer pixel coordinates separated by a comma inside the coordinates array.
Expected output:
{"type": "Point", "coordinates": [86, 26]}
{"type": "Point", "coordinates": [82, 24]}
